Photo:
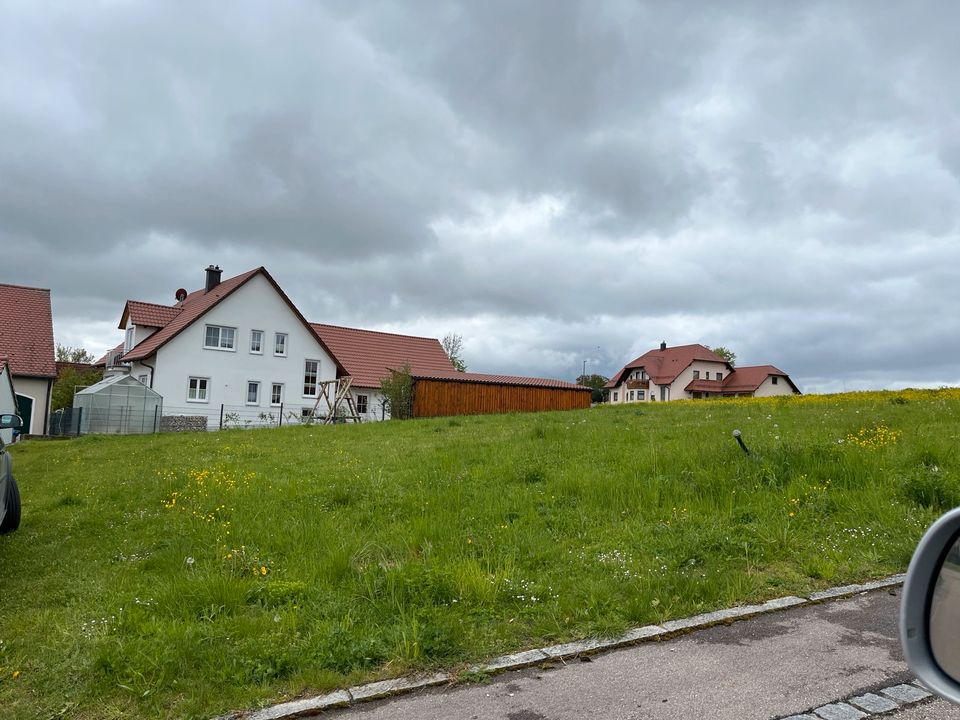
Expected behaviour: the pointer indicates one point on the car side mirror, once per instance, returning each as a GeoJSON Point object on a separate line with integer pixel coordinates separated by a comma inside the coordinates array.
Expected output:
{"type": "Point", "coordinates": [10, 421]}
{"type": "Point", "coordinates": [930, 608]}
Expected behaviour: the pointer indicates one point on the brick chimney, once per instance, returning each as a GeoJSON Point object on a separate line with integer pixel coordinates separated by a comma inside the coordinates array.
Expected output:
{"type": "Point", "coordinates": [663, 345]}
{"type": "Point", "coordinates": [213, 277]}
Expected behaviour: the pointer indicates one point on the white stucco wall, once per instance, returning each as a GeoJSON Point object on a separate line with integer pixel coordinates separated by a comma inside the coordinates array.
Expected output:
{"type": "Point", "coordinates": [254, 306]}
{"type": "Point", "coordinates": [768, 389]}
{"type": "Point", "coordinates": [677, 391]}
{"type": "Point", "coordinates": [375, 410]}
{"type": "Point", "coordinates": [39, 390]}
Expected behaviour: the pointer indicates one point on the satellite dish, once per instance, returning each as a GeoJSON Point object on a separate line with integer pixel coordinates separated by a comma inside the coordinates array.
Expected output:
{"type": "Point", "coordinates": [181, 295]}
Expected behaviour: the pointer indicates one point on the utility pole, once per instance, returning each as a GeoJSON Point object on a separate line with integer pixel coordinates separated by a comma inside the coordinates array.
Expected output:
{"type": "Point", "coordinates": [584, 368]}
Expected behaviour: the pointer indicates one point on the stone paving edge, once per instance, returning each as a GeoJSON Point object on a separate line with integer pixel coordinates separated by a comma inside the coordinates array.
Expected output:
{"type": "Point", "coordinates": [307, 707]}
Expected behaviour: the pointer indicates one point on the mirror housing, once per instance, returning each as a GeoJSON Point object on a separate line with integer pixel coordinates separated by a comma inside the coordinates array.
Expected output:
{"type": "Point", "coordinates": [918, 591]}
{"type": "Point", "coordinates": [10, 421]}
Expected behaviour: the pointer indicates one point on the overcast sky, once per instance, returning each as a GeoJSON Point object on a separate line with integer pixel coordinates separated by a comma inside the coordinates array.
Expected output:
{"type": "Point", "coordinates": [555, 181]}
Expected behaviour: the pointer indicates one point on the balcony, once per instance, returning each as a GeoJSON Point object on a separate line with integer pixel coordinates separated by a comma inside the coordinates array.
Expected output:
{"type": "Point", "coordinates": [638, 384]}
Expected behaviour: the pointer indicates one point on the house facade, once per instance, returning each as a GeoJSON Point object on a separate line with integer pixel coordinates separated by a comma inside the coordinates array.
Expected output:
{"type": "Point", "coordinates": [692, 372]}
{"type": "Point", "coordinates": [237, 344]}
{"type": "Point", "coordinates": [26, 340]}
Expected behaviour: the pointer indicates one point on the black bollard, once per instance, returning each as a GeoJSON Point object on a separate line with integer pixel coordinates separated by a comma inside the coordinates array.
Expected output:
{"type": "Point", "coordinates": [736, 434]}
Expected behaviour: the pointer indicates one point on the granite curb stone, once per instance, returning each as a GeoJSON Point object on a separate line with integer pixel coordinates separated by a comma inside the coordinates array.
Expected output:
{"type": "Point", "coordinates": [838, 711]}
{"type": "Point", "coordinates": [905, 693]}
{"type": "Point", "coordinates": [873, 703]}
{"type": "Point", "coordinates": [384, 688]}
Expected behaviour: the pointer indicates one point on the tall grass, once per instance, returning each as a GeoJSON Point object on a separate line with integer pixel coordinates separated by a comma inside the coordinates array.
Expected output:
{"type": "Point", "coordinates": [183, 576]}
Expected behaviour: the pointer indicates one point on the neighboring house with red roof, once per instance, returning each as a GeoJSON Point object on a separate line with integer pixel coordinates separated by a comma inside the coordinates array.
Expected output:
{"type": "Point", "coordinates": [26, 339]}
{"type": "Point", "coordinates": [693, 372]}
{"type": "Point", "coordinates": [239, 342]}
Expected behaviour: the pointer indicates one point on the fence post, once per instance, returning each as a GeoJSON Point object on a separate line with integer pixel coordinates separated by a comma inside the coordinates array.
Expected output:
{"type": "Point", "coordinates": [156, 416]}
{"type": "Point", "coordinates": [280, 421]}
{"type": "Point", "coordinates": [221, 416]}
{"type": "Point", "coordinates": [79, 419]}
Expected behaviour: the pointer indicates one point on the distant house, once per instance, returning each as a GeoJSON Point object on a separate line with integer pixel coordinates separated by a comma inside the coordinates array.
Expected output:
{"type": "Point", "coordinates": [368, 357]}
{"type": "Point", "coordinates": [8, 399]}
{"type": "Point", "coordinates": [26, 339]}
{"type": "Point", "coordinates": [693, 372]}
{"type": "Point", "coordinates": [239, 342]}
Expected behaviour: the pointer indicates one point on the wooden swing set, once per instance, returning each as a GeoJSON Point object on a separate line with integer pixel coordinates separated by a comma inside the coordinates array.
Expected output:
{"type": "Point", "coordinates": [339, 402]}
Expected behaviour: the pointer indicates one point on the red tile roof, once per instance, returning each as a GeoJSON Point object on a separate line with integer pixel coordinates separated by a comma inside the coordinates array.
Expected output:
{"type": "Point", "coordinates": [748, 379]}
{"type": "Point", "coordinates": [710, 386]}
{"type": "Point", "coordinates": [663, 366]}
{"type": "Point", "coordinates": [368, 355]}
{"type": "Point", "coordinates": [196, 305]}
{"type": "Point", "coordinates": [26, 331]}
{"type": "Point", "coordinates": [500, 380]}
{"type": "Point", "coordinates": [148, 314]}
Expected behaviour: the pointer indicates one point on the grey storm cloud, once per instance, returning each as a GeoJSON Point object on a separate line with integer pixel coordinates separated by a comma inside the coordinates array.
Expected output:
{"type": "Point", "coordinates": [546, 178]}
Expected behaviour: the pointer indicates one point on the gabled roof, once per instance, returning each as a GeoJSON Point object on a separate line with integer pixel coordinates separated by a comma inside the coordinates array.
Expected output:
{"type": "Point", "coordinates": [482, 378]}
{"type": "Point", "coordinates": [148, 314]}
{"type": "Point", "coordinates": [748, 379]}
{"type": "Point", "coordinates": [368, 355]}
{"type": "Point", "coordinates": [664, 365]}
{"type": "Point", "coordinates": [26, 331]}
{"type": "Point", "coordinates": [195, 306]}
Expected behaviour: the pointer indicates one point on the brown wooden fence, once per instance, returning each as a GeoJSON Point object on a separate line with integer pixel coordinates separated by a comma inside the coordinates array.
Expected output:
{"type": "Point", "coordinates": [433, 398]}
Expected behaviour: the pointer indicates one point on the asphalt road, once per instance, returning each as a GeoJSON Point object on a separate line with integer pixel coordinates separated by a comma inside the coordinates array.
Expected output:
{"type": "Point", "coordinates": [770, 666]}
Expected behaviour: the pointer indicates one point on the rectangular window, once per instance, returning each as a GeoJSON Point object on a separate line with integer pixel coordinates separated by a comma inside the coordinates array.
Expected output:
{"type": "Point", "coordinates": [197, 389]}
{"type": "Point", "coordinates": [631, 394]}
{"type": "Point", "coordinates": [615, 394]}
{"type": "Point", "coordinates": [640, 394]}
{"type": "Point", "coordinates": [719, 376]}
{"type": "Point", "coordinates": [218, 337]}
{"type": "Point", "coordinates": [256, 341]}
{"type": "Point", "coordinates": [311, 370]}
{"type": "Point", "coordinates": [707, 375]}
{"type": "Point", "coordinates": [128, 339]}
{"type": "Point", "coordinates": [280, 344]}
{"type": "Point", "coordinates": [253, 393]}
{"type": "Point", "coordinates": [773, 379]}
{"type": "Point", "coordinates": [276, 393]}
{"type": "Point", "coordinates": [142, 379]}
{"type": "Point", "coordinates": [362, 404]}
{"type": "Point", "coordinates": [696, 374]}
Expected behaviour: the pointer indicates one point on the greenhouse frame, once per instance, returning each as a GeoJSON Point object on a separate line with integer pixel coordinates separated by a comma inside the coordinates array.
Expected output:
{"type": "Point", "coordinates": [118, 405]}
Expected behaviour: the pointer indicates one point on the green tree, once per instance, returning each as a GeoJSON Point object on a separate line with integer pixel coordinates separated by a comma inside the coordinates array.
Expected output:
{"type": "Point", "coordinates": [397, 391]}
{"type": "Point", "coordinates": [595, 383]}
{"type": "Point", "coordinates": [729, 355]}
{"type": "Point", "coordinates": [69, 378]}
{"type": "Point", "coordinates": [65, 353]}
{"type": "Point", "coordinates": [453, 347]}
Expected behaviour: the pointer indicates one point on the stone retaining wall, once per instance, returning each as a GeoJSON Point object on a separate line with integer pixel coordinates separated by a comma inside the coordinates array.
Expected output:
{"type": "Point", "coordinates": [183, 423]}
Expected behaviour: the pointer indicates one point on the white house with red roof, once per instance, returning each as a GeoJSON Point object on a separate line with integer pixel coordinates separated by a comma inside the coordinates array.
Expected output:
{"type": "Point", "coordinates": [26, 340]}
{"type": "Point", "coordinates": [238, 343]}
{"type": "Point", "coordinates": [686, 372]}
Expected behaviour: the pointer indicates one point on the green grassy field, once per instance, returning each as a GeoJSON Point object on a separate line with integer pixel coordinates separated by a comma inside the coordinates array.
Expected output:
{"type": "Point", "coordinates": [187, 575]}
